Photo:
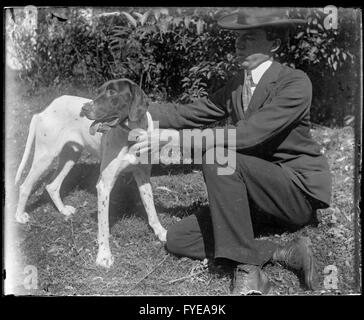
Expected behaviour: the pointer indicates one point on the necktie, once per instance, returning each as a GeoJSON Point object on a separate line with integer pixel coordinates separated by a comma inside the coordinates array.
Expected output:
{"type": "Point", "coordinates": [247, 89]}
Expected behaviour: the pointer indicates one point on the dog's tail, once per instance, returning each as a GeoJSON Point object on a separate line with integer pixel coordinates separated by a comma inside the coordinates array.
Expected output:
{"type": "Point", "coordinates": [31, 135]}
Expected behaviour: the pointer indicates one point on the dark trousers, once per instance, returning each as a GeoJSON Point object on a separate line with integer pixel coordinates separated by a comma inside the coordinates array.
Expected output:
{"type": "Point", "coordinates": [225, 230]}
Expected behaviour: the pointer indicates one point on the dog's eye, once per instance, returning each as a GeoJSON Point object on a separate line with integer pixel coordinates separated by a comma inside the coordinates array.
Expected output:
{"type": "Point", "coordinates": [110, 92]}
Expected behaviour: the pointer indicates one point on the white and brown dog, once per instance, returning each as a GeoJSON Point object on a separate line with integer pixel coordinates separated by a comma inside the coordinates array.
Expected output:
{"type": "Point", "coordinates": [119, 107]}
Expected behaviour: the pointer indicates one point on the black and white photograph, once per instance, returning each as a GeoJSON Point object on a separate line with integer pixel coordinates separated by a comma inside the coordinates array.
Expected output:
{"type": "Point", "coordinates": [182, 151]}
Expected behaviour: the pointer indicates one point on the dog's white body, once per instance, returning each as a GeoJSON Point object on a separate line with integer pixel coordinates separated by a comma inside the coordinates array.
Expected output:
{"type": "Point", "coordinates": [60, 131]}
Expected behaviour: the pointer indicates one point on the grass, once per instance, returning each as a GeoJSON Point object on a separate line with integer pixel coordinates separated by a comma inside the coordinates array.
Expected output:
{"type": "Point", "coordinates": [64, 251]}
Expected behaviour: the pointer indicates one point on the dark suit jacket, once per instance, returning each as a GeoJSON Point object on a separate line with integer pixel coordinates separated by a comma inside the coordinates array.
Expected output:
{"type": "Point", "coordinates": [275, 127]}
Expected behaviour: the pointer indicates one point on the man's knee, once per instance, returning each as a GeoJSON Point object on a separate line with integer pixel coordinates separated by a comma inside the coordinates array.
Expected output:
{"type": "Point", "coordinates": [219, 161]}
{"type": "Point", "coordinates": [175, 240]}
{"type": "Point", "coordinates": [303, 219]}
{"type": "Point", "coordinates": [184, 238]}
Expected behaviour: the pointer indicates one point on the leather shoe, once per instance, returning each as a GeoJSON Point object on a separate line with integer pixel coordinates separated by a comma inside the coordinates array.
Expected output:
{"type": "Point", "coordinates": [297, 255]}
{"type": "Point", "coordinates": [250, 280]}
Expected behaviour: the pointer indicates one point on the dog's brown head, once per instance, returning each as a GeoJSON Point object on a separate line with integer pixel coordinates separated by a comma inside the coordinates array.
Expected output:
{"type": "Point", "coordinates": [116, 101]}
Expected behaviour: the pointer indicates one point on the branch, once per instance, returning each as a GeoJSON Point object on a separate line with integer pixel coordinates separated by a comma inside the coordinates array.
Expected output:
{"type": "Point", "coordinates": [107, 14]}
{"type": "Point", "coordinates": [186, 277]}
{"type": "Point", "coordinates": [147, 274]}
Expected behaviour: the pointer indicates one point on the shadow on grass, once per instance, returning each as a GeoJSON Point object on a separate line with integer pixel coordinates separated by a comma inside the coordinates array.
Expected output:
{"type": "Point", "coordinates": [81, 176]}
{"type": "Point", "coordinates": [125, 199]}
{"type": "Point", "coordinates": [175, 169]}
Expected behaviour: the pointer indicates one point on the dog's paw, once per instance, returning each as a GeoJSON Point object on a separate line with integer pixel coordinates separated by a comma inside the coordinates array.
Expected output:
{"type": "Point", "coordinates": [68, 210]}
{"type": "Point", "coordinates": [162, 235]}
{"type": "Point", "coordinates": [22, 218]}
{"type": "Point", "coordinates": [104, 260]}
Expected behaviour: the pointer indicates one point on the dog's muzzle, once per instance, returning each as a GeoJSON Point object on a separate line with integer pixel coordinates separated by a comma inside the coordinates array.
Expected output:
{"type": "Point", "coordinates": [86, 108]}
{"type": "Point", "coordinates": [105, 124]}
{"type": "Point", "coordinates": [101, 125]}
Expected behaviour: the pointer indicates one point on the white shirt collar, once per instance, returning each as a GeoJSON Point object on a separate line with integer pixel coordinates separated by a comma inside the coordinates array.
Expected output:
{"type": "Point", "coordinates": [258, 72]}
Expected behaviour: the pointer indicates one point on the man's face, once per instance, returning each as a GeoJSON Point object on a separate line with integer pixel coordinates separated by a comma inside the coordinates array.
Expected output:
{"type": "Point", "coordinates": [252, 47]}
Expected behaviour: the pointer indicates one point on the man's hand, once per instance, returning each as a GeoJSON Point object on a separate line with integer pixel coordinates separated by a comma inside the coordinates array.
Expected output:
{"type": "Point", "coordinates": [145, 142]}
{"type": "Point", "coordinates": [153, 141]}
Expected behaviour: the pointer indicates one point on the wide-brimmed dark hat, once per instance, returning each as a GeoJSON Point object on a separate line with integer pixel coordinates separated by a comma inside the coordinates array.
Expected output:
{"type": "Point", "coordinates": [252, 18]}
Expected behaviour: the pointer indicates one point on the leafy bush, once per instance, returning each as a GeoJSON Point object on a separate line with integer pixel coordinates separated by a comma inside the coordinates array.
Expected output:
{"type": "Point", "coordinates": [167, 48]}
{"type": "Point", "coordinates": [181, 54]}
{"type": "Point", "coordinates": [331, 59]}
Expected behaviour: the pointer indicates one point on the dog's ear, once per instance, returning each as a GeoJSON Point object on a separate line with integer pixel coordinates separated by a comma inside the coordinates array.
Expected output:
{"type": "Point", "coordinates": [139, 103]}
{"type": "Point", "coordinates": [102, 88]}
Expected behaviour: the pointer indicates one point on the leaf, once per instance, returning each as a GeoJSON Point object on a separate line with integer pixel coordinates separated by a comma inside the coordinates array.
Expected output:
{"type": "Point", "coordinates": [177, 21]}
{"type": "Point", "coordinates": [346, 179]}
{"type": "Point", "coordinates": [187, 22]}
{"type": "Point", "coordinates": [144, 18]}
{"type": "Point", "coordinates": [55, 249]}
{"type": "Point", "coordinates": [200, 26]}
{"type": "Point", "coordinates": [120, 33]}
{"type": "Point", "coordinates": [139, 15]}
{"type": "Point", "coordinates": [334, 65]}
{"type": "Point", "coordinates": [119, 27]}
{"type": "Point", "coordinates": [163, 27]}
{"type": "Point", "coordinates": [165, 189]}
{"type": "Point", "coordinates": [164, 11]}
{"type": "Point", "coordinates": [349, 120]}
{"type": "Point", "coordinates": [193, 69]}
{"type": "Point", "coordinates": [130, 18]}
{"type": "Point", "coordinates": [350, 55]}
{"type": "Point", "coordinates": [157, 14]}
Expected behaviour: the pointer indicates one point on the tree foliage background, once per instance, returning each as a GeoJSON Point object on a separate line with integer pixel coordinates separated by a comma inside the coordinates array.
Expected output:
{"type": "Point", "coordinates": [180, 53]}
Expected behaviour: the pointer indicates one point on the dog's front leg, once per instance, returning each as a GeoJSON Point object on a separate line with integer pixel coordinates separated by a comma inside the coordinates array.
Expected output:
{"type": "Point", "coordinates": [104, 256]}
{"type": "Point", "coordinates": [108, 176]}
{"type": "Point", "coordinates": [109, 173]}
{"type": "Point", "coordinates": [142, 178]}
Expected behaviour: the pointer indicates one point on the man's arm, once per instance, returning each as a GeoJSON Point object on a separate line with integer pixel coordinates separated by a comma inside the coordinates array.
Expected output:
{"type": "Point", "coordinates": [289, 106]}
{"type": "Point", "coordinates": [192, 115]}
{"type": "Point", "coordinates": [202, 112]}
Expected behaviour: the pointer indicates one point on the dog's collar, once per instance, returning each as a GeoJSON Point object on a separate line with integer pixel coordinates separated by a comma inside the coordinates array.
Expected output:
{"type": "Point", "coordinates": [124, 125]}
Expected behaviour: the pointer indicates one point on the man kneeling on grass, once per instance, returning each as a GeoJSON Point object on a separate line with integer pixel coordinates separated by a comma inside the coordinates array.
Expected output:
{"type": "Point", "coordinates": [279, 171]}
